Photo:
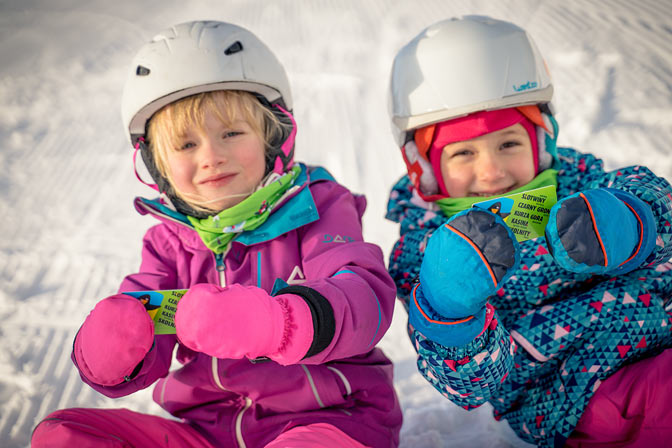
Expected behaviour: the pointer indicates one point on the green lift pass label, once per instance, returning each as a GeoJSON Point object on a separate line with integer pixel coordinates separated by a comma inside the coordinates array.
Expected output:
{"type": "Point", "coordinates": [161, 306]}
{"type": "Point", "coordinates": [525, 213]}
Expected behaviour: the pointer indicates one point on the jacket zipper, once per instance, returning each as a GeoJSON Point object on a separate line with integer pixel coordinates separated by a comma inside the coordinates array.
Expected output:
{"type": "Point", "coordinates": [239, 417]}
{"type": "Point", "coordinates": [221, 268]}
{"type": "Point", "coordinates": [221, 271]}
{"type": "Point", "coordinates": [239, 423]}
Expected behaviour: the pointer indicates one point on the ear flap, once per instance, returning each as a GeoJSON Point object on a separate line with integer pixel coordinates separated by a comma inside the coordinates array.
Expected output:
{"type": "Point", "coordinates": [282, 150]}
{"type": "Point", "coordinates": [547, 134]}
{"type": "Point", "coordinates": [547, 137]}
{"type": "Point", "coordinates": [533, 113]}
{"type": "Point", "coordinates": [420, 172]}
{"type": "Point", "coordinates": [423, 140]}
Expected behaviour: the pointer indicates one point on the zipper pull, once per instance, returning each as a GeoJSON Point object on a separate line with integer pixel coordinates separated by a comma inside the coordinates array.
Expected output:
{"type": "Point", "coordinates": [259, 359]}
{"type": "Point", "coordinates": [221, 267]}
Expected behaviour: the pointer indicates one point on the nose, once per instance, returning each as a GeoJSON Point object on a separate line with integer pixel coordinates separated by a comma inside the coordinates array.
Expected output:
{"type": "Point", "coordinates": [210, 154]}
{"type": "Point", "coordinates": [489, 167]}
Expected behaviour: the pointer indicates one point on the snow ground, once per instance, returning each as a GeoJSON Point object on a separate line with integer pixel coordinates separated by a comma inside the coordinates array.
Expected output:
{"type": "Point", "coordinates": [69, 233]}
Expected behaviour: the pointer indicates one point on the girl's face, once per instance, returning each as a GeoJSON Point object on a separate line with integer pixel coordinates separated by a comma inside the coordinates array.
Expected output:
{"type": "Point", "coordinates": [489, 165]}
{"type": "Point", "coordinates": [219, 165]}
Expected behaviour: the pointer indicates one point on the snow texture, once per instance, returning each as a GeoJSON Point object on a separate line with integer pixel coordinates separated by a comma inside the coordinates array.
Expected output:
{"type": "Point", "coordinates": [70, 234]}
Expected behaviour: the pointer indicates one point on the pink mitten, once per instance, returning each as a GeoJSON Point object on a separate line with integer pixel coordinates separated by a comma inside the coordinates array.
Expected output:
{"type": "Point", "coordinates": [244, 321]}
{"type": "Point", "coordinates": [114, 338]}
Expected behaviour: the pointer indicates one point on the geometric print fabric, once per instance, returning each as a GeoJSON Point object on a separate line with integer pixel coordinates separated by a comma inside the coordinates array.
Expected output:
{"type": "Point", "coordinates": [557, 334]}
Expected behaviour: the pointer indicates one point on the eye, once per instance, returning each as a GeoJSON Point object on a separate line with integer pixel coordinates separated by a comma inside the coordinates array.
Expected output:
{"type": "Point", "coordinates": [231, 134]}
{"type": "Point", "coordinates": [187, 145]}
{"type": "Point", "coordinates": [461, 153]}
{"type": "Point", "coordinates": [510, 144]}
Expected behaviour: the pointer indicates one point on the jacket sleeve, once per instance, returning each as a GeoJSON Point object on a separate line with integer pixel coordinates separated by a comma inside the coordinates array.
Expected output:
{"type": "Point", "coordinates": [468, 375]}
{"type": "Point", "coordinates": [582, 171]}
{"type": "Point", "coordinates": [157, 272]}
{"type": "Point", "coordinates": [347, 286]}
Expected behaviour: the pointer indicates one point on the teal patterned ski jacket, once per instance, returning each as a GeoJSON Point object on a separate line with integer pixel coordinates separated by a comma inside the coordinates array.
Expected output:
{"type": "Point", "coordinates": [555, 335]}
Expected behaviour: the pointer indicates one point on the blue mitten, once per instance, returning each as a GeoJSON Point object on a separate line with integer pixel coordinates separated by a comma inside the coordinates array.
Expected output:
{"type": "Point", "coordinates": [601, 231]}
{"type": "Point", "coordinates": [465, 262]}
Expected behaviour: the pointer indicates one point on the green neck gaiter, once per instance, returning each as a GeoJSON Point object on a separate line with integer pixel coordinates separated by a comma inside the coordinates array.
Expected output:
{"type": "Point", "coordinates": [451, 206]}
{"type": "Point", "coordinates": [218, 230]}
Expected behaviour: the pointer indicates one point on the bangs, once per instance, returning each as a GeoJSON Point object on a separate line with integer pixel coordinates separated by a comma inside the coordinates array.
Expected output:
{"type": "Point", "coordinates": [170, 125]}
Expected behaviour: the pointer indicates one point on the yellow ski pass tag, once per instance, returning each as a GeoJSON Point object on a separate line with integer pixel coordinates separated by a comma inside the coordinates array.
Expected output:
{"type": "Point", "coordinates": [161, 306]}
{"type": "Point", "coordinates": [525, 213]}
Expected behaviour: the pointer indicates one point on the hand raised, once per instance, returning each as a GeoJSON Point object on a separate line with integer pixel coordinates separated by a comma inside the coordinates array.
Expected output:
{"type": "Point", "coordinates": [466, 261]}
{"type": "Point", "coordinates": [600, 231]}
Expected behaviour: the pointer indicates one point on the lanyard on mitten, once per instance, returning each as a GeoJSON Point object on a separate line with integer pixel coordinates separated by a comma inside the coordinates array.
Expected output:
{"type": "Point", "coordinates": [451, 206]}
{"type": "Point", "coordinates": [218, 230]}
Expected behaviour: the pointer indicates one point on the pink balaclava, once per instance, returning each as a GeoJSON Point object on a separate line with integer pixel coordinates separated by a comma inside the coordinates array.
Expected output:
{"type": "Point", "coordinates": [472, 126]}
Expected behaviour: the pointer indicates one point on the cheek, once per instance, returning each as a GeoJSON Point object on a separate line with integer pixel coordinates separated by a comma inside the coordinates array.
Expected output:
{"type": "Point", "coordinates": [524, 168]}
{"type": "Point", "coordinates": [259, 164]}
{"type": "Point", "coordinates": [456, 180]}
{"type": "Point", "coordinates": [181, 172]}
{"type": "Point", "coordinates": [456, 176]}
{"type": "Point", "coordinates": [254, 163]}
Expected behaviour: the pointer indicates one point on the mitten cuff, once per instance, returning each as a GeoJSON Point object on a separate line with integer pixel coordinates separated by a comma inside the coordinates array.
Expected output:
{"type": "Point", "coordinates": [323, 321]}
{"type": "Point", "coordinates": [297, 335]}
{"type": "Point", "coordinates": [447, 332]}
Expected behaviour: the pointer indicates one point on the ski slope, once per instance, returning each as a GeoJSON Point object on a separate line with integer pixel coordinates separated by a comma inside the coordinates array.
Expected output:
{"type": "Point", "coordinates": [70, 233]}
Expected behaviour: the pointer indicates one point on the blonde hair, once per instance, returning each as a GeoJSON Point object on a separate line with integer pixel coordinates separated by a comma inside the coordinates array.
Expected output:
{"type": "Point", "coordinates": [169, 125]}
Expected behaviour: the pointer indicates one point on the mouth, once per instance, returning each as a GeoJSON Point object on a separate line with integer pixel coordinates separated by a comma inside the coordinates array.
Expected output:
{"type": "Point", "coordinates": [217, 179]}
{"type": "Point", "coordinates": [487, 194]}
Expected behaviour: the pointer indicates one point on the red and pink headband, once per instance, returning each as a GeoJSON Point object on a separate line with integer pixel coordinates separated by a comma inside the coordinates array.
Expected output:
{"type": "Point", "coordinates": [431, 139]}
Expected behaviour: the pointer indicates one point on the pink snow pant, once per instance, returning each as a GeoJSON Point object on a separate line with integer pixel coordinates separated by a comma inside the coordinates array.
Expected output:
{"type": "Point", "coordinates": [631, 408]}
{"type": "Point", "coordinates": [84, 428]}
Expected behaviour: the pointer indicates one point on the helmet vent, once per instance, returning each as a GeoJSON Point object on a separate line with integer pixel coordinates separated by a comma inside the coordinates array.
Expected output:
{"type": "Point", "coordinates": [234, 48]}
{"type": "Point", "coordinates": [141, 71]}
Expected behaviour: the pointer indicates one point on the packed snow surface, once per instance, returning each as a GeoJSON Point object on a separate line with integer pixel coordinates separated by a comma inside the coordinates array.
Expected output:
{"type": "Point", "coordinates": [70, 233]}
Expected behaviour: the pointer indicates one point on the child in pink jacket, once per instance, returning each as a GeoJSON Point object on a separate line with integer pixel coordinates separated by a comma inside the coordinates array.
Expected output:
{"type": "Point", "coordinates": [285, 300]}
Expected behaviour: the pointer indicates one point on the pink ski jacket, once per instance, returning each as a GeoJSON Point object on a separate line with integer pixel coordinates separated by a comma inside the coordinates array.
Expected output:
{"type": "Point", "coordinates": [310, 246]}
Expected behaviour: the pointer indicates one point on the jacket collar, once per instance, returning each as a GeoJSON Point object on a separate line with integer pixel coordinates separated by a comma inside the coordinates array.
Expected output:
{"type": "Point", "coordinates": [297, 210]}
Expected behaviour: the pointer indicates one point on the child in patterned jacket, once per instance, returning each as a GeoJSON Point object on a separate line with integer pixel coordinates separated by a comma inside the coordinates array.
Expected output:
{"type": "Point", "coordinates": [566, 335]}
{"type": "Point", "coordinates": [285, 301]}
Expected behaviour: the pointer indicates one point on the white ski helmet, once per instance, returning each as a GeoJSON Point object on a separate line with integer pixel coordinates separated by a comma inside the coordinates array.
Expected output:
{"type": "Point", "coordinates": [195, 57]}
{"type": "Point", "coordinates": [204, 56]}
{"type": "Point", "coordinates": [459, 66]}
{"type": "Point", "coordinates": [463, 65]}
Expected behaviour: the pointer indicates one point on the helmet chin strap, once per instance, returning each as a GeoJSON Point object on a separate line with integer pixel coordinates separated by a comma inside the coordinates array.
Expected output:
{"type": "Point", "coordinates": [161, 185]}
{"type": "Point", "coordinates": [141, 143]}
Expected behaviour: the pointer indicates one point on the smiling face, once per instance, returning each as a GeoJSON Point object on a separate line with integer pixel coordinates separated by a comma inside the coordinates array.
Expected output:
{"type": "Point", "coordinates": [219, 165]}
{"type": "Point", "coordinates": [211, 147]}
{"type": "Point", "coordinates": [489, 165]}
